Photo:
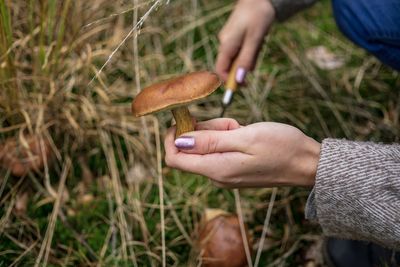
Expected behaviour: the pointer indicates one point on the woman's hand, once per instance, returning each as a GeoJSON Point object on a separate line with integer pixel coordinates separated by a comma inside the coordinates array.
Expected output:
{"type": "Point", "coordinates": [259, 155]}
{"type": "Point", "coordinates": [243, 35]}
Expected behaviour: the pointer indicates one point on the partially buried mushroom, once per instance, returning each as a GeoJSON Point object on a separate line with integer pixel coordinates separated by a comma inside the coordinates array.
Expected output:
{"type": "Point", "coordinates": [176, 94]}
{"type": "Point", "coordinates": [220, 240]}
{"type": "Point", "coordinates": [22, 157]}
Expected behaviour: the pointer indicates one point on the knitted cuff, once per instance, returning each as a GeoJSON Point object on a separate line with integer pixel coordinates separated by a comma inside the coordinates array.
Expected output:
{"type": "Point", "coordinates": [357, 191]}
{"type": "Point", "coordinates": [286, 8]}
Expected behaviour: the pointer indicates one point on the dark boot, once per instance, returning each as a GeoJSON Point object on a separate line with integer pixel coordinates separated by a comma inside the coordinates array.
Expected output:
{"type": "Point", "coordinates": [352, 253]}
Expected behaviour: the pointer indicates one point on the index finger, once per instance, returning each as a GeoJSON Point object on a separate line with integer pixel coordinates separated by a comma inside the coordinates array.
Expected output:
{"type": "Point", "coordinates": [207, 165]}
{"type": "Point", "coordinates": [225, 58]}
{"type": "Point", "coordinates": [219, 124]}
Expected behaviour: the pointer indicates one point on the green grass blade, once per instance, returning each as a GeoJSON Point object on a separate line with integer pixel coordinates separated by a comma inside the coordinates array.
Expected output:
{"type": "Point", "coordinates": [51, 18]}
{"type": "Point", "coordinates": [5, 25]}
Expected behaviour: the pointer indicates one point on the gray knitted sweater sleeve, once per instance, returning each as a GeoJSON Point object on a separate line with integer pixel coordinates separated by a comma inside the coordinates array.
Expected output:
{"type": "Point", "coordinates": [287, 8]}
{"type": "Point", "coordinates": [357, 191]}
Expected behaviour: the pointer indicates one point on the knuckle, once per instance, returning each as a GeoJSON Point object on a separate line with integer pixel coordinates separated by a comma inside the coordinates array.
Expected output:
{"type": "Point", "coordinates": [219, 185]}
{"type": "Point", "coordinates": [253, 136]}
{"type": "Point", "coordinates": [222, 36]}
{"type": "Point", "coordinates": [212, 145]}
{"type": "Point", "coordinates": [223, 176]}
{"type": "Point", "coordinates": [169, 161]}
{"type": "Point", "coordinates": [171, 130]}
{"type": "Point", "coordinates": [232, 123]}
{"type": "Point", "coordinates": [247, 62]}
{"type": "Point", "coordinates": [223, 49]}
{"type": "Point", "coordinates": [256, 36]}
{"type": "Point", "coordinates": [228, 49]}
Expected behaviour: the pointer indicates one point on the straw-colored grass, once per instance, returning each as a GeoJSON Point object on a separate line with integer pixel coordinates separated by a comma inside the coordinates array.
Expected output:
{"type": "Point", "coordinates": [68, 72]}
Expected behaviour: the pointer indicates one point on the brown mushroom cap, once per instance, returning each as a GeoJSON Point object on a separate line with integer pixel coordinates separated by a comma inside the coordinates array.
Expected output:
{"type": "Point", "coordinates": [175, 92]}
{"type": "Point", "coordinates": [221, 242]}
{"type": "Point", "coordinates": [20, 159]}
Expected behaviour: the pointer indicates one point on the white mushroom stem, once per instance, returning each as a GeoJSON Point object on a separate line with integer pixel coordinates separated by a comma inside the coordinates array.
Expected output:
{"type": "Point", "coordinates": [184, 121]}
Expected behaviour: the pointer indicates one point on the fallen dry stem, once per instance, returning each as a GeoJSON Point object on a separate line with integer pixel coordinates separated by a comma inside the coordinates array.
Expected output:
{"type": "Point", "coordinates": [265, 226]}
{"type": "Point", "coordinates": [46, 244]}
{"type": "Point", "coordinates": [242, 227]}
{"type": "Point", "coordinates": [160, 189]}
{"type": "Point", "coordinates": [118, 194]}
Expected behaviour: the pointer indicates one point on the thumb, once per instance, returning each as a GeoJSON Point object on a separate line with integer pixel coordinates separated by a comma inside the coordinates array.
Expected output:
{"type": "Point", "coordinates": [208, 142]}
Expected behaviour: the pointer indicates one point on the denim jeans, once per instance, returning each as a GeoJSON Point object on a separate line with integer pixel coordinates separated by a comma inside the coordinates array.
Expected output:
{"type": "Point", "coordinates": [373, 25]}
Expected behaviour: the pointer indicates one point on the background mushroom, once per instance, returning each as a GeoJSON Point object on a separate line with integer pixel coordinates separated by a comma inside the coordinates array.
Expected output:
{"type": "Point", "coordinates": [220, 240]}
{"type": "Point", "coordinates": [23, 157]}
{"type": "Point", "coordinates": [176, 94]}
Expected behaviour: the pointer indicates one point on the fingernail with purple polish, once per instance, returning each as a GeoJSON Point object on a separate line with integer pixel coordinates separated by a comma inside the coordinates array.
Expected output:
{"type": "Point", "coordinates": [240, 75]}
{"type": "Point", "coordinates": [184, 142]}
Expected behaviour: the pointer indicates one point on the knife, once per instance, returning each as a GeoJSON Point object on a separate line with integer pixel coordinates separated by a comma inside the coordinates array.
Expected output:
{"type": "Point", "coordinates": [230, 88]}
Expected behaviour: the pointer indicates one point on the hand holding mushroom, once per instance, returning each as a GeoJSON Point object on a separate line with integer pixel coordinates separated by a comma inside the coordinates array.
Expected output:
{"type": "Point", "coordinates": [258, 155]}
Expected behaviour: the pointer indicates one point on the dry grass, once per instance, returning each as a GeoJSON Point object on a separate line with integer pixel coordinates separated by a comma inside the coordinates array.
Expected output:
{"type": "Point", "coordinates": [98, 201]}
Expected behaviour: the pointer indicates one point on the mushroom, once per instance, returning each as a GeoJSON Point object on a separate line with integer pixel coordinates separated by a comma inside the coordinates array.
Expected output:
{"type": "Point", "coordinates": [176, 94]}
{"type": "Point", "coordinates": [220, 240]}
{"type": "Point", "coordinates": [21, 203]}
{"type": "Point", "coordinates": [21, 158]}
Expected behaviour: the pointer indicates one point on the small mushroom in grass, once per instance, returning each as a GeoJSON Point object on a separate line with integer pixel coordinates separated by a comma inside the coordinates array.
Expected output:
{"type": "Point", "coordinates": [21, 203]}
{"type": "Point", "coordinates": [21, 158]}
{"type": "Point", "coordinates": [176, 94]}
{"type": "Point", "coordinates": [220, 240]}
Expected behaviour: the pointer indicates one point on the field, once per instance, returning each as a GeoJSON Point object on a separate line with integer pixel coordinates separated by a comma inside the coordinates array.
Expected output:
{"type": "Point", "coordinates": [68, 73]}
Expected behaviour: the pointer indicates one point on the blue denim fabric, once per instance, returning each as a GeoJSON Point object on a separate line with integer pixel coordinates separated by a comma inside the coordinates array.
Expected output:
{"type": "Point", "coordinates": [373, 25]}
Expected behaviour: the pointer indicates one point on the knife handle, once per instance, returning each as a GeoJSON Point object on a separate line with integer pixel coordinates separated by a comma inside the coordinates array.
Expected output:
{"type": "Point", "coordinates": [230, 86]}
{"type": "Point", "coordinates": [231, 83]}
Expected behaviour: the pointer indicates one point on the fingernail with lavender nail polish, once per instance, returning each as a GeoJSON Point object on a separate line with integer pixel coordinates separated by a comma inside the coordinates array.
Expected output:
{"type": "Point", "coordinates": [240, 75]}
{"type": "Point", "coordinates": [184, 142]}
